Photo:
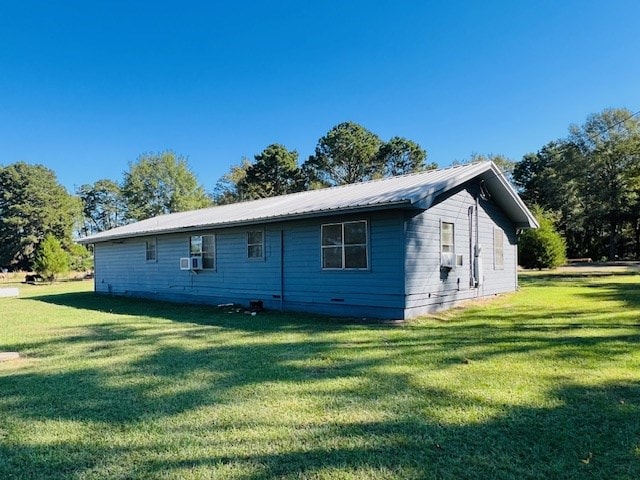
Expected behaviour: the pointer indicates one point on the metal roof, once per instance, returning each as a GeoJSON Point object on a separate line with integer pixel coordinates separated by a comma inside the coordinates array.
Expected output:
{"type": "Point", "coordinates": [417, 190]}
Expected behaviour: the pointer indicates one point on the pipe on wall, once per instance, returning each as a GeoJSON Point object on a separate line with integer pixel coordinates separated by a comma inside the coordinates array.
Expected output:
{"type": "Point", "coordinates": [281, 270]}
{"type": "Point", "coordinates": [472, 280]}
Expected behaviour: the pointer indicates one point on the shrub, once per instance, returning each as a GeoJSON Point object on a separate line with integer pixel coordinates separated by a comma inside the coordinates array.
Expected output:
{"type": "Point", "coordinates": [51, 260]}
{"type": "Point", "coordinates": [80, 259]}
{"type": "Point", "coordinates": [543, 247]}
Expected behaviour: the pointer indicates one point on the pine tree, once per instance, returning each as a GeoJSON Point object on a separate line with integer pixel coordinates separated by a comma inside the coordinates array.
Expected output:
{"type": "Point", "coordinates": [51, 260]}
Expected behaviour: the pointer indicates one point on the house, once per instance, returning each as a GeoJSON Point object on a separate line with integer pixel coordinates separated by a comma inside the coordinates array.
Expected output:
{"type": "Point", "coordinates": [392, 248]}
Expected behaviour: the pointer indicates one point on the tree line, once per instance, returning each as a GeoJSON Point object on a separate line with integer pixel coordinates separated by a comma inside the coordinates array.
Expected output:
{"type": "Point", "coordinates": [589, 184]}
{"type": "Point", "coordinates": [39, 218]}
{"type": "Point", "coordinates": [586, 185]}
{"type": "Point", "coordinates": [348, 153]}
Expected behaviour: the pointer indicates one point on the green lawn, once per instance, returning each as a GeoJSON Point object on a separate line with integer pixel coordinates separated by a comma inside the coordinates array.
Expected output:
{"type": "Point", "coordinates": [544, 383]}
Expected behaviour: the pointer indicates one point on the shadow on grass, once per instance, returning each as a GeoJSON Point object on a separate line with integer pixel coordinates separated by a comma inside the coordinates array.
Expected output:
{"type": "Point", "coordinates": [590, 433]}
{"type": "Point", "coordinates": [144, 374]}
{"type": "Point", "coordinates": [500, 333]}
{"type": "Point", "coordinates": [626, 293]}
{"type": "Point", "coordinates": [550, 277]}
{"type": "Point", "coordinates": [197, 313]}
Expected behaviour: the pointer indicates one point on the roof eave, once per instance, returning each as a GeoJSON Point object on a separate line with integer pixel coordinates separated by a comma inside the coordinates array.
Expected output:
{"type": "Point", "coordinates": [527, 220]}
{"type": "Point", "coordinates": [274, 219]}
{"type": "Point", "coordinates": [490, 173]}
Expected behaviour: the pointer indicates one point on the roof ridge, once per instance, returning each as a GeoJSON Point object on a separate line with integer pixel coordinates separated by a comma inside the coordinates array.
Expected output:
{"type": "Point", "coordinates": [323, 189]}
{"type": "Point", "coordinates": [381, 179]}
{"type": "Point", "coordinates": [408, 189]}
{"type": "Point", "coordinates": [333, 187]}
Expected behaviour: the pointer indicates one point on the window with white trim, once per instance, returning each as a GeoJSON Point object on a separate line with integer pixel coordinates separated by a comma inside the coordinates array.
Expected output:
{"type": "Point", "coordinates": [255, 244]}
{"type": "Point", "coordinates": [204, 246]}
{"type": "Point", "coordinates": [446, 237]}
{"type": "Point", "coordinates": [151, 248]}
{"type": "Point", "coordinates": [345, 246]}
{"type": "Point", "coordinates": [498, 249]}
{"type": "Point", "coordinates": [447, 244]}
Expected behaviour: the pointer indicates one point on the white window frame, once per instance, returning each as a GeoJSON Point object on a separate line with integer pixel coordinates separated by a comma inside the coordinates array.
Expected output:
{"type": "Point", "coordinates": [255, 244]}
{"type": "Point", "coordinates": [498, 249]}
{"type": "Point", "coordinates": [342, 246]}
{"type": "Point", "coordinates": [153, 258]}
{"type": "Point", "coordinates": [200, 239]}
{"type": "Point", "coordinates": [451, 247]}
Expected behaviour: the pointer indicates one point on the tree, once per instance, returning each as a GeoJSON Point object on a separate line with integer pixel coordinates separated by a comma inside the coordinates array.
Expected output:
{"type": "Point", "coordinates": [275, 172]}
{"type": "Point", "coordinates": [348, 153]}
{"type": "Point", "coordinates": [505, 164]}
{"type": "Point", "coordinates": [51, 259]}
{"type": "Point", "coordinates": [608, 167]}
{"type": "Point", "coordinates": [161, 183]}
{"type": "Point", "coordinates": [103, 206]}
{"type": "Point", "coordinates": [32, 205]}
{"type": "Point", "coordinates": [533, 173]}
{"type": "Point", "coordinates": [228, 188]}
{"type": "Point", "coordinates": [543, 247]}
{"type": "Point", "coordinates": [592, 180]}
{"type": "Point", "coordinates": [80, 259]}
{"type": "Point", "coordinates": [400, 156]}
{"type": "Point", "coordinates": [549, 179]}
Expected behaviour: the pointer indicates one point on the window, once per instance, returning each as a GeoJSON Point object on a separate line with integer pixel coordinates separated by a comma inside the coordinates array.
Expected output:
{"type": "Point", "coordinates": [151, 248]}
{"type": "Point", "coordinates": [498, 249]}
{"type": "Point", "coordinates": [344, 246]}
{"type": "Point", "coordinates": [446, 238]}
{"type": "Point", "coordinates": [204, 246]}
{"type": "Point", "coordinates": [447, 244]}
{"type": "Point", "coordinates": [255, 244]}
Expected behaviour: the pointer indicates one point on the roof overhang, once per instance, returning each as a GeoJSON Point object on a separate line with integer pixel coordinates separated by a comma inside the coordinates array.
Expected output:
{"type": "Point", "coordinates": [498, 188]}
{"type": "Point", "coordinates": [506, 197]}
{"type": "Point", "coordinates": [415, 191]}
{"type": "Point", "coordinates": [113, 235]}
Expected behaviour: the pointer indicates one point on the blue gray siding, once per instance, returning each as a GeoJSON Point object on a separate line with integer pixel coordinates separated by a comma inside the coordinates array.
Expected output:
{"type": "Point", "coordinates": [428, 287]}
{"type": "Point", "coordinates": [295, 283]}
{"type": "Point", "coordinates": [376, 292]}
{"type": "Point", "coordinates": [403, 280]}
{"type": "Point", "coordinates": [121, 269]}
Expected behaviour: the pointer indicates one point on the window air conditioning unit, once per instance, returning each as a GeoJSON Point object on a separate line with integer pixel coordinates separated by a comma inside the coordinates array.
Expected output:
{"type": "Point", "coordinates": [447, 260]}
{"type": "Point", "coordinates": [196, 262]}
{"type": "Point", "coordinates": [185, 263]}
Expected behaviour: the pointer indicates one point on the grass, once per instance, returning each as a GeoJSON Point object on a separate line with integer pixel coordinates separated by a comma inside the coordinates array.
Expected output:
{"type": "Point", "coordinates": [544, 383]}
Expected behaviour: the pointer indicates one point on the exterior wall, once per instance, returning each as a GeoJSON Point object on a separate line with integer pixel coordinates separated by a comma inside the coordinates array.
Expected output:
{"type": "Point", "coordinates": [429, 287]}
{"type": "Point", "coordinates": [121, 268]}
{"type": "Point", "coordinates": [293, 282]}
{"type": "Point", "coordinates": [403, 280]}
{"type": "Point", "coordinates": [377, 292]}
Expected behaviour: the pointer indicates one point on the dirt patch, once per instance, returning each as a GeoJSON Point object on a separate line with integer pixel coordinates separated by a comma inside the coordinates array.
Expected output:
{"type": "Point", "coordinates": [6, 356]}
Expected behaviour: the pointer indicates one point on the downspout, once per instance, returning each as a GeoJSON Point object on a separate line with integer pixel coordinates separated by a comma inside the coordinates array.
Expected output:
{"type": "Point", "coordinates": [95, 271]}
{"type": "Point", "coordinates": [516, 257]}
{"type": "Point", "coordinates": [478, 252]}
{"type": "Point", "coordinates": [477, 228]}
{"type": "Point", "coordinates": [282, 270]}
{"type": "Point", "coordinates": [472, 280]}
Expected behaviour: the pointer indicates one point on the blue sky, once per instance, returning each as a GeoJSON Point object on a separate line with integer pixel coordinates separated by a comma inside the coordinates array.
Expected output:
{"type": "Point", "coordinates": [86, 87]}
